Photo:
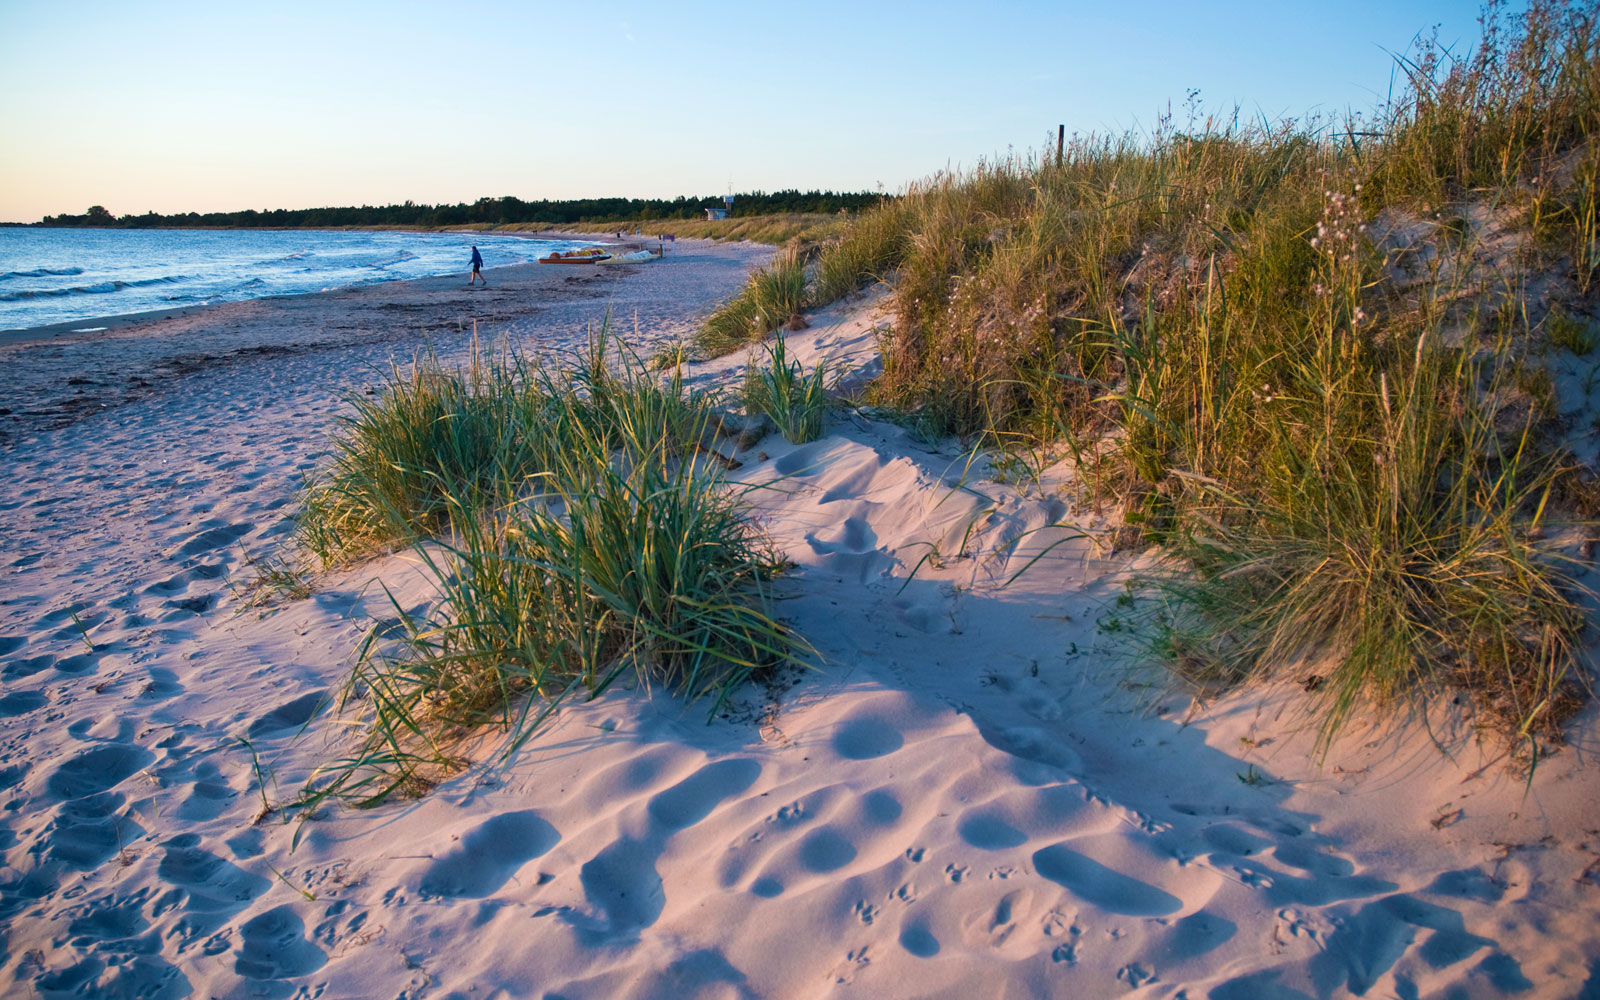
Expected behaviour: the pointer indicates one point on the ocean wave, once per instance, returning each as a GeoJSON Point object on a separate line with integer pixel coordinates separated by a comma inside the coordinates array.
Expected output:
{"type": "Point", "coordinates": [98, 288]}
{"type": "Point", "coordinates": [112, 267]}
{"type": "Point", "coordinates": [40, 272]}
{"type": "Point", "coordinates": [400, 257]}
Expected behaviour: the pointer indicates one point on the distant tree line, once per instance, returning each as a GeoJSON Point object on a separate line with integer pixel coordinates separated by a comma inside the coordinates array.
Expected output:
{"type": "Point", "coordinates": [492, 211]}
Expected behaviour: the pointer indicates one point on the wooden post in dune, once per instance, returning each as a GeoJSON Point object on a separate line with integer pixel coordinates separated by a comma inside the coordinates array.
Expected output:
{"type": "Point", "coordinates": [1061, 136]}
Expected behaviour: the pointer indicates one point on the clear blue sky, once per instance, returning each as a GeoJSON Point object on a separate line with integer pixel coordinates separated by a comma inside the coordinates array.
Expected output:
{"type": "Point", "coordinates": [212, 106]}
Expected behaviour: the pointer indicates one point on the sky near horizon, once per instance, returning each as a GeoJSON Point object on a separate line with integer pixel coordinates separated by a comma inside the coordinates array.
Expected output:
{"type": "Point", "coordinates": [183, 106]}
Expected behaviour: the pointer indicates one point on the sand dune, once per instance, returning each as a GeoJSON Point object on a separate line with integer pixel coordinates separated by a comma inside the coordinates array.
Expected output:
{"type": "Point", "coordinates": [976, 791]}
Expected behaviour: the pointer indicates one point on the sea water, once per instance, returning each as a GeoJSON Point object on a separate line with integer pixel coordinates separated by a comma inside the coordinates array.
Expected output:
{"type": "Point", "coordinates": [52, 276]}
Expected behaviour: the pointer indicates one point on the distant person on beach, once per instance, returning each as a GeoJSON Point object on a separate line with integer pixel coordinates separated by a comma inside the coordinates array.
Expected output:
{"type": "Point", "coordinates": [477, 268]}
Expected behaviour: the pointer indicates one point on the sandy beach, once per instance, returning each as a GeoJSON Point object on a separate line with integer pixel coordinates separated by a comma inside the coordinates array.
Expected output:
{"type": "Point", "coordinates": [975, 791]}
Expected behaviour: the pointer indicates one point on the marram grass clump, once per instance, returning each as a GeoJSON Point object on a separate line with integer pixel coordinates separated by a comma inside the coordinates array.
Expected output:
{"type": "Point", "coordinates": [1303, 356]}
{"type": "Point", "coordinates": [606, 544]}
{"type": "Point", "coordinates": [773, 295]}
{"type": "Point", "coordinates": [781, 390]}
{"type": "Point", "coordinates": [430, 437]}
{"type": "Point", "coordinates": [1403, 568]}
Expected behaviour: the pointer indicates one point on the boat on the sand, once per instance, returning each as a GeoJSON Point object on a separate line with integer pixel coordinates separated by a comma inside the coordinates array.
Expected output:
{"type": "Point", "coordinates": [592, 255]}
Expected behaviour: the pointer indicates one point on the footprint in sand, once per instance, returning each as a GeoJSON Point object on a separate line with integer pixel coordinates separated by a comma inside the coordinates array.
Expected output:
{"type": "Point", "coordinates": [87, 832]}
{"type": "Point", "coordinates": [289, 715]}
{"type": "Point", "coordinates": [487, 857]}
{"type": "Point", "coordinates": [175, 584]}
{"type": "Point", "coordinates": [109, 919]}
{"type": "Point", "coordinates": [18, 891]}
{"type": "Point", "coordinates": [77, 664]}
{"type": "Point", "coordinates": [916, 938]}
{"type": "Point", "coordinates": [1468, 883]}
{"type": "Point", "coordinates": [274, 946]}
{"type": "Point", "coordinates": [1229, 839]}
{"type": "Point", "coordinates": [1365, 945]}
{"type": "Point", "coordinates": [213, 884]}
{"type": "Point", "coordinates": [692, 799]}
{"type": "Point", "coordinates": [623, 884]}
{"type": "Point", "coordinates": [993, 927]}
{"type": "Point", "coordinates": [851, 550]}
{"type": "Point", "coordinates": [162, 683]}
{"type": "Point", "coordinates": [990, 833]}
{"type": "Point", "coordinates": [866, 738]}
{"type": "Point", "coordinates": [216, 534]}
{"type": "Point", "coordinates": [1308, 860]}
{"type": "Point", "coordinates": [26, 667]}
{"type": "Point", "coordinates": [63, 614]}
{"type": "Point", "coordinates": [209, 795]}
{"type": "Point", "coordinates": [185, 606]}
{"type": "Point", "coordinates": [802, 461]}
{"type": "Point", "coordinates": [879, 807]}
{"type": "Point", "coordinates": [97, 770]}
{"type": "Point", "coordinates": [767, 887]}
{"type": "Point", "coordinates": [1198, 933]}
{"type": "Point", "coordinates": [825, 849]}
{"type": "Point", "coordinates": [1031, 743]}
{"type": "Point", "coordinates": [22, 702]}
{"type": "Point", "coordinates": [1093, 882]}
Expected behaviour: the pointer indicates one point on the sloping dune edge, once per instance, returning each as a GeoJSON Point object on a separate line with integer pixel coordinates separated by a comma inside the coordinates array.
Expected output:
{"type": "Point", "coordinates": [978, 791]}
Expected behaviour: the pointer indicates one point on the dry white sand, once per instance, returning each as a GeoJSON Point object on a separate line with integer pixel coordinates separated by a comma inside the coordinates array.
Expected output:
{"type": "Point", "coordinates": [976, 793]}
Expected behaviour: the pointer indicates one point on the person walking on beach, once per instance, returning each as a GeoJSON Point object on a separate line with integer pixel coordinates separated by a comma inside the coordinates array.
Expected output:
{"type": "Point", "coordinates": [477, 268]}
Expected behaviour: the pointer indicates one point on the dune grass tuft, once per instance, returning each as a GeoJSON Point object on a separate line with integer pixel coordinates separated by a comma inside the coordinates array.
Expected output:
{"type": "Point", "coordinates": [600, 542]}
{"type": "Point", "coordinates": [780, 388]}
{"type": "Point", "coordinates": [429, 437]}
{"type": "Point", "coordinates": [772, 295]}
{"type": "Point", "coordinates": [1400, 568]}
{"type": "Point", "coordinates": [869, 249]}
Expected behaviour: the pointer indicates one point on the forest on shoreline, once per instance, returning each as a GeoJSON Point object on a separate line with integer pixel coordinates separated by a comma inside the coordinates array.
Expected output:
{"type": "Point", "coordinates": [485, 211]}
